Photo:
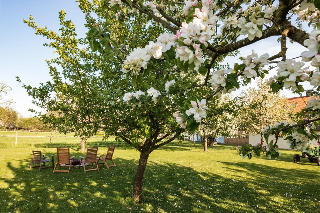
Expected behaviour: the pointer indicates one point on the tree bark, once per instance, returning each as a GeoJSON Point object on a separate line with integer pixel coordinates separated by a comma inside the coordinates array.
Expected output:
{"type": "Point", "coordinates": [205, 142]}
{"type": "Point", "coordinates": [138, 179]}
{"type": "Point", "coordinates": [83, 143]}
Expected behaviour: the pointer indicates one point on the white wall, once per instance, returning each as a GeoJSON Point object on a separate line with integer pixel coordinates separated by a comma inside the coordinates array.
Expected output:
{"type": "Point", "coordinates": [282, 143]}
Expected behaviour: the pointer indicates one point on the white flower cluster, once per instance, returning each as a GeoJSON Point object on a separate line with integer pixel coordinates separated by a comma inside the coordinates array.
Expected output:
{"type": "Point", "coordinates": [312, 43]}
{"type": "Point", "coordinates": [128, 96]}
{"type": "Point", "coordinates": [231, 21]}
{"type": "Point", "coordinates": [301, 139]}
{"type": "Point", "coordinates": [195, 33]}
{"type": "Point", "coordinates": [168, 84]}
{"type": "Point", "coordinates": [252, 61]}
{"type": "Point", "coordinates": [198, 110]}
{"type": "Point", "coordinates": [275, 126]}
{"type": "Point", "coordinates": [205, 3]}
{"type": "Point", "coordinates": [313, 103]}
{"type": "Point", "coordinates": [268, 13]}
{"type": "Point", "coordinates": [315, 79]}
{"type": "Point", "coordinates": [139, 57]}
{"type": "Point", "coordinates": [304, 9]}
{"type": "Point", "coordinates": [218, 78]}
{"type": "Point", "coordinates": [253, 27]}
{"type": "Point", "coordinates": [151, 92]}
{"type": "Point", "coordinates": [114, 2]}
{"type": "Point", "coordinates": [179, 119]}
{"type": "Point", "coordinates": [292, 71]}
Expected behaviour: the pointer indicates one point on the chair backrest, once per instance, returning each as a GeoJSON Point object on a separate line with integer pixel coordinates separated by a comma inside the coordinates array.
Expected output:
{"type": "Point", "coordinates": [63, 155]}
{"type": "Point", "coordinates": [91, 156]}
{"type": "Point", "coordinates": [36, 156]}
{"type": "Point", "coordinates": [110, 152]}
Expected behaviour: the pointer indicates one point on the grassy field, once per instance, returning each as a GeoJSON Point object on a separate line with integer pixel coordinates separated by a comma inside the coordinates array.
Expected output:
{"type": "Point", "coordinates": [178, 178]}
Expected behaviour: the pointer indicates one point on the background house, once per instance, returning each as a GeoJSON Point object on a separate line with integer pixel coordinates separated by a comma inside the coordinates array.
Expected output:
{"type": "Point", "coordinates": [300, 104]}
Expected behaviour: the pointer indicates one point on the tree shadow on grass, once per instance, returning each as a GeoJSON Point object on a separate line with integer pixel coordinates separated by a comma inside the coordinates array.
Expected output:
{"type": "Point", "coordinates": [285, 190]}
{"type": "Point", "coordinates": [167, 188]}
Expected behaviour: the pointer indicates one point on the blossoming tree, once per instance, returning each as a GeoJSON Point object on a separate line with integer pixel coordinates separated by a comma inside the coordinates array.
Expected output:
{"type": "Point", "coordinates": [153, 68]}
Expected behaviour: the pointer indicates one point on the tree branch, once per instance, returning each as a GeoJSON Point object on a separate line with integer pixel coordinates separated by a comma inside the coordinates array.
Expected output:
{"type": "Point", "coordinates": [272, 31]}
{"type": "Point", "coordinates": [168, 141]}
{"type": "Point", "coordinates": [163, 137]}
{"type": "Point", "coordinates": [214, 57]}
{"type": "Point", "coordinates": [172, 20]}
{"type": "Point", "coordinates": [128, 141]}
{"type": "Point", "coordinates": [153, 16]}
{"type": "Point", "coordinates": [295, 34]}
{"type": "Point", "coordinates": [227, 8]}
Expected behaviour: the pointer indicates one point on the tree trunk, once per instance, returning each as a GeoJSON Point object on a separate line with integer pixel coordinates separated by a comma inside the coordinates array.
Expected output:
{"type": "Point", "coordinates": [83, 143]}
{"type": "Point", "coordinates": [137, 184]}
{"type": "Point", "coordinates": [262, 139]}
{"type": "Point", "coordinates": [205, 142]}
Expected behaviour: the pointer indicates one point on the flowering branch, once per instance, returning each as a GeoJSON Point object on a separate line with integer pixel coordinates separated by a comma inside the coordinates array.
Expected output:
{"type": "Point", "coordinates": [153, 16]}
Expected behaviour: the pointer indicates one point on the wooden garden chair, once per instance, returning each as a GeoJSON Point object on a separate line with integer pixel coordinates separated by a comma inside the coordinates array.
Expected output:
{"type": "Point", "coordinates": [90, 159]}
{"type": "Point", "coordinates": [108, 156]}
{"type": "Point", "coordinates": [63, 160]}
{"type": "Point", "coordinates": [39, 160]}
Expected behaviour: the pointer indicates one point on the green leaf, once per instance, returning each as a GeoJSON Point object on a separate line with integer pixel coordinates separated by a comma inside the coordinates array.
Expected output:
{"type": "Point", "coordinates": [165, 55]}
{"type": "Point", "coordinates": [203, 70]}
{"type": "Point", "coordinates": [105, 42]}
{"type": "Point", "coordinates": [94, 45]}
{"type": "Point", "coordinates": [92, 32]}
{"type": "Point", "coordinates": [140, 79]}
{"type": "Point", "coordinates": [275, 87]}
{"type": "Point", "coordinates": [317, 4]}
{"type": "Point", "coordinates": [171, 54]}
{"type": "Point", "coordinates": [238, 67]}
{"type": "Point", "coordinates": [134, 81]}
{"type": "Point", "coordinates": [192, 125]}
{"type": "Point", "coordinates": [300, 88]}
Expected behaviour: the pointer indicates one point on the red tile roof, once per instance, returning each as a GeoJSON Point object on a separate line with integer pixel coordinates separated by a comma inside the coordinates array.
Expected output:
{"type": "Point", "coordinates": [301, 102]}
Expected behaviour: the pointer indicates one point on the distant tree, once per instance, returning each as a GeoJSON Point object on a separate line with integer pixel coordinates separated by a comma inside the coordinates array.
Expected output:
{"type": "Point", "coordinates": [258, 108]}
{"type": "Point", "coordinates": [220, 120]}
{"type": "Point", "coordinates": [32, 123]}
{"type": "Point", "coordinates": [8, 117]}
{"type": "Point", "coordinates": [4, 89]}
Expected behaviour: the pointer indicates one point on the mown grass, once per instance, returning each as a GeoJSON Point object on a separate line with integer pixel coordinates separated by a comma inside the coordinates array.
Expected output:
{"type": "Point", "coordinates": [178, 178]}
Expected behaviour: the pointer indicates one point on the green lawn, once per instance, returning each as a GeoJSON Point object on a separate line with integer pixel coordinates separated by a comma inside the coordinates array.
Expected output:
{"type": "Point", "coordinates": [178, 178]}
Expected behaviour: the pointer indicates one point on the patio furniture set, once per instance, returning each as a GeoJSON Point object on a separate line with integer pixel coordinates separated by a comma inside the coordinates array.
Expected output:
{"type": "Point", "coordinates": [65, 161]}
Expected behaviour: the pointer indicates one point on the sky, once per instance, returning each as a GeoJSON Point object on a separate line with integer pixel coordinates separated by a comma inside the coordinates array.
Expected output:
{"type": "Point", "coordinates": [22, 52]}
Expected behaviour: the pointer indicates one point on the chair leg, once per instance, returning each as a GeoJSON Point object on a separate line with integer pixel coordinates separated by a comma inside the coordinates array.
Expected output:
{"type": "Point", "coordinates": [97, 165]}
{"type": "Point", "coordinates": [54, 167]}
{"type": "Point", "coordinates": [106, 164]}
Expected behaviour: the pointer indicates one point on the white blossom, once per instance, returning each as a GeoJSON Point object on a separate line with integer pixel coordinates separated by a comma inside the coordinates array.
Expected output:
{"type": "Point", "coordinates": [218, 78]}
{"type": "Point", "coordinates": [198, 110]}
{"type": "Point", "coordinates": [138, 94]}
{"type": "Point", "coordinates": [168, 84]}
{"type": "Point", "coordinates": [127, 96]}
{"type": "Point", "coordinates": [153, 93]}
{"type": "Point", "coordinates": [313, 103]}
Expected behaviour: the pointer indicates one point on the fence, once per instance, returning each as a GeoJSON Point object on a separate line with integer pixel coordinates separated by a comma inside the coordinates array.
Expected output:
{"type": "Point", "coordinates": [237, 141]}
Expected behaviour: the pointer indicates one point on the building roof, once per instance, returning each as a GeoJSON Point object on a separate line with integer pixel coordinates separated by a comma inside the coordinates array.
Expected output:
{"type": "Point", "coordinates": [300, 102]}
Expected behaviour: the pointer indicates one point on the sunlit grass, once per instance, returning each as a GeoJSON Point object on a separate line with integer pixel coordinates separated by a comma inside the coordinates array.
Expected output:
{"type": "Point", "coordinates": [179, 178]}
